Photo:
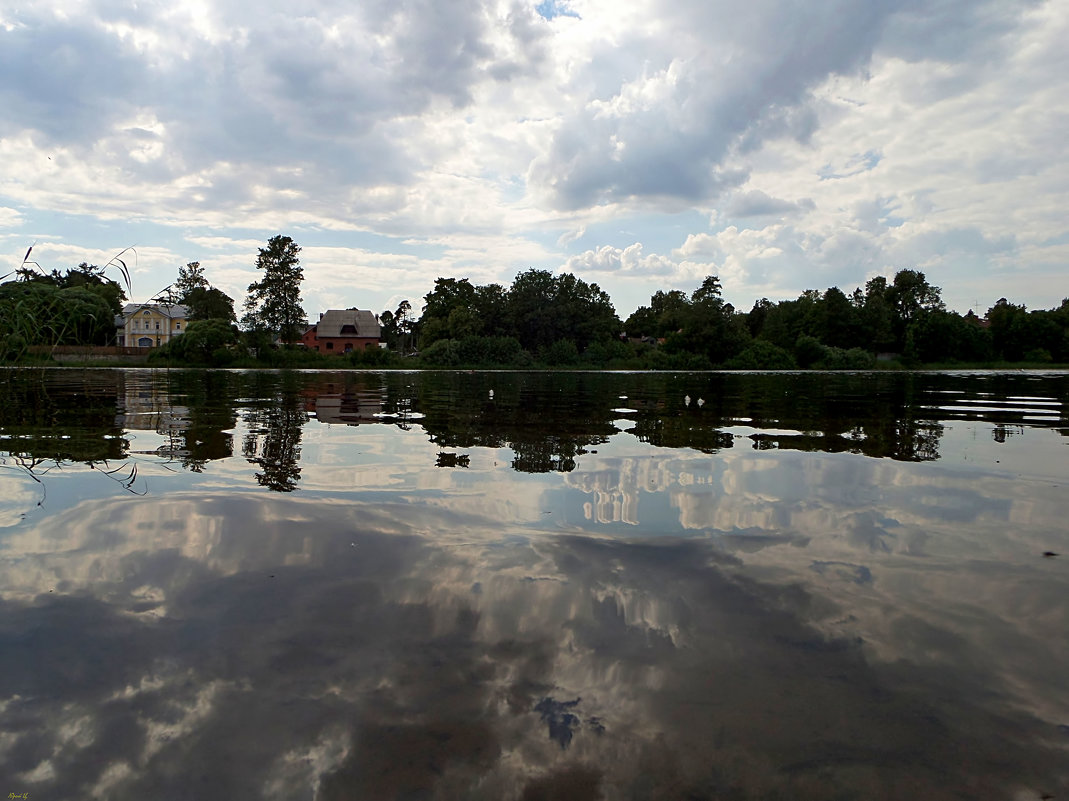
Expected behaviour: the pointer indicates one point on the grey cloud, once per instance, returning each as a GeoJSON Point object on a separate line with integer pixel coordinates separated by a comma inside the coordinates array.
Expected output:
{"type": "Point", "coordinates": [737, 77]}
{"type": "Point", "coordinates": [324, 90]}
{"type": "Point", "coordinates": [950, 30]}
{"type": "Point", "coordinates": [65, 82]}
{"type": "Point", "coordinates": [759, 204]}
{"type": "Point", "coordinates": [723, 82]}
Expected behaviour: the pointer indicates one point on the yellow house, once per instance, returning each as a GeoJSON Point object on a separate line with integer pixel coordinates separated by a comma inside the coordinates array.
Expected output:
{"type": "Point", "coordinates": [149, 325]}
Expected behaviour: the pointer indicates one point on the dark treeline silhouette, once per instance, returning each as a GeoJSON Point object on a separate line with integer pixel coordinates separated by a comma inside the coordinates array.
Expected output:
{"type": "Point", "coordinates": [559, 320]}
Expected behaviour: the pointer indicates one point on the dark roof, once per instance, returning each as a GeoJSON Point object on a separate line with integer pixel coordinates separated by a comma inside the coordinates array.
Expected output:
{"type": "Point", "coordinates": [347, 323]}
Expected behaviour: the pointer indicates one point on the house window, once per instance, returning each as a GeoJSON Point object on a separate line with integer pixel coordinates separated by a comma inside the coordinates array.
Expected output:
{"type": "Point", "coordinates": [330, 346]}
{"type": "Point", "coordinates": [348, 347]}
{"type": "Point", "coordinates": [177, 326]}
{"type": "Point", "coordinates": [144, 342]}
{"type": "Point", "coordinates": [157, 326]}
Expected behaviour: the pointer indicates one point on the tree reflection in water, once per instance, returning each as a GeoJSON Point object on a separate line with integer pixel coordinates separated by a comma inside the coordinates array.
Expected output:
{"type": "Point", "coordinates": [274, 440]}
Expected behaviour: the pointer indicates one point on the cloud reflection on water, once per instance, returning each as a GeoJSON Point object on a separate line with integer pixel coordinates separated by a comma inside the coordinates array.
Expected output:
{"type": "Point", "coordinates": [208, 644]}
{"type": "Point", "coordinates": [653, 622]}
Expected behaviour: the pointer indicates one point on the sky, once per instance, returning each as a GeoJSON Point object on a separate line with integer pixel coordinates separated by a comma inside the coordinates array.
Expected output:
{"type": "Point", "coordinates": [782, 145]}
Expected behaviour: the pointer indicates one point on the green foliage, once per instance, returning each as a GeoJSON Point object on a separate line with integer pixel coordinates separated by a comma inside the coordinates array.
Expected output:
{"type": "Point", "coordinates": [204, 342]}
{"type": "Point", "coordinates": [374, 357]}
{"type": "Point", "coordinates": [208, 304]}
{"type": "Point", "coordinates": [840, 359]}
{"type": "Point", "coordinates": [611, 352]}
{"type": "Point", "coordinates": [1038, 356]}
{"type": "Point", "coordinates": [42, 313]}
{"type": "Point", "coordinates": [665, 315]}
{"type": "Point", "coordinates": [190, 277]}
{"type": "Point", "coordinates": [476, 352]}
{"type": "Point", "coordinates": [708, 326]}
{"type": "Point", "coordinates": [274, 302]}
{"type": "Point", "coordinates": [543, 308]}
{"type": "Point", "coordinates": [562, 353]}
{"type": "Point", "coordinates": [808, 351]}
{"type": "Point", "coordinates": [762, 355]}
{"type": "Point", "coordinates": [443, 353]}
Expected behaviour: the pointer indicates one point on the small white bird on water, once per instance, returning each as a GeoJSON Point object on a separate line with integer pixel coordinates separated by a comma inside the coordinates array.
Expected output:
{"type": "Point", "coordinates": [686, 400]}
{"type": "Point", "coordinates": [491, 394]}
{"type": "Point", "coordinates": [701, 401]}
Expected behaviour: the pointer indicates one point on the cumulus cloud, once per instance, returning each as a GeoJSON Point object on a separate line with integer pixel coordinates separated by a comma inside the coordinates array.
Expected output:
{"type": "Point", "coordinates": [621, 260]}
{"type": "Point", "coordinates": [860, 133]}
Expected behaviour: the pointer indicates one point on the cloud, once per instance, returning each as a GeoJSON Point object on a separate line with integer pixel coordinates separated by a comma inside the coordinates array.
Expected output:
{"type": "Point", "coordinates": [756, 203]}
{"type": "Point", "coordinates": [669, 127]}
{"type": "Point", "coordinates": [621, 260]}
{"type": "Point", "coordinates": [10, 218]}
{"type": "Point", "coordinates": [476, 123]}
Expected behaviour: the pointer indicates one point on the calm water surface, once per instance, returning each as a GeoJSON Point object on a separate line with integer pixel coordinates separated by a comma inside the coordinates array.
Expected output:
{"type": "Point", "coordinates": [228, 585]}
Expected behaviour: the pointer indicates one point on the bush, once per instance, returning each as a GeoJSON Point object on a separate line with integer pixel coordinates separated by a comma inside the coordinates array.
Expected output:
{"type": "Point", "coordinates": [204, 342]}
{"type": "Point", "coordinates": [1039, 355]}
{"type": "Point", "coordinates": [808, 351]}
{"type": "Point", "coordinates": [475, 351]}
{"type": "Point", "coordinates": [561, 353]}
{"type": "Point", "coordinates": [443, 353]}
{"type": "Point", "coordinates": [607, 351]}
{"type": "Point", "coordinates": [373, 357]}
{"type": "Point", "coordinates": [762, 355]}
{"type": "Point", "coordinates": [853, 359]}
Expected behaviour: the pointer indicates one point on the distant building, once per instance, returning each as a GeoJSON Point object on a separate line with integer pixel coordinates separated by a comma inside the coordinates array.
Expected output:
{"type": "Point", "coordinates": [149, 325]}
{"type": "Point", "coordinates": [343, 331]}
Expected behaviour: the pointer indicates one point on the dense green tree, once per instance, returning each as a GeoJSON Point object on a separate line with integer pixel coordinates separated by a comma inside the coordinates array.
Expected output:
{"type": "Point", "coordinates": [201, 299]}
{"type": "Point", "coordinates": [274, 302]}
{"type": "Point", "coordinates": [209, 304]}
{"type": "Point", "coordinates": [790, 319]}
{"type": "Point", "coordinates": [910, 296]}
{"type": "Point", "coordinates": [190, 277]}
{"type": "Point", "coordinates": [1009, 330]}
{"type": "Point", "coordinates": [84, 276]}
{"type": "Point", "coordinates": [491, 307]}
{"type": "Point", "coordinates": [543, 308]}
{"type": "Point", "coordinates": [710, 327]}
{"type": "Point", "coordinates": [388, 330]}
{"type": "Point", "coordinates": [530, 311]}
{"type": "Point", "coordinates": [448, 294]}
{"type": "Point", "coordinates": [877, 316]}
{"type": "Point", "coordinates": [204, 342]}
{"type": "Point", "coordinates": [758, 315]}
{"type": "Point", "coordinates": [665, 315]}
{"type": "Point", "coordinates": [839, 322]}
{"type": "Point", "coordinates": [405, 324]}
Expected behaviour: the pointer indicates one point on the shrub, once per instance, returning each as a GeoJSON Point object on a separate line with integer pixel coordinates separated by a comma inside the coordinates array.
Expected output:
{"type": "Point", "coordinates": [443, 353]}
{"type": "Point", "coordinates": [853, 359]}
{"type": "Point", "coordinates": [1040, 355]}
{"type": "Point", "coordinates": [762, 355]}
{"type": "Point", "coordinates": [204, 342]}
{"type": "Point", "coordinates": [561, 353]}
{"type": "Point", "coordinates": [808, 351]}
{"type": "Point", "coordinates": [373, 357]}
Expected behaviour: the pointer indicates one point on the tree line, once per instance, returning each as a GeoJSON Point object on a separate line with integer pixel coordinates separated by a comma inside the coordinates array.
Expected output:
{"type": "Point", "coordinates": [547, 319]}
{"type": "Point", "coordinates": [562, 320]}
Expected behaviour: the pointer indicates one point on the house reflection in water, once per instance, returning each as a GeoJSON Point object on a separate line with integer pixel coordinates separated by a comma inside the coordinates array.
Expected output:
{"type": "Point", "coordinates": [147, 404]}
{"type": "Point", "coordinates": [348, 408]}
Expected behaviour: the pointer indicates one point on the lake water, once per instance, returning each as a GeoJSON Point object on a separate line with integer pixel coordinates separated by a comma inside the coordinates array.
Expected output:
{"type": "Point", "coordinates": [311, 585]}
